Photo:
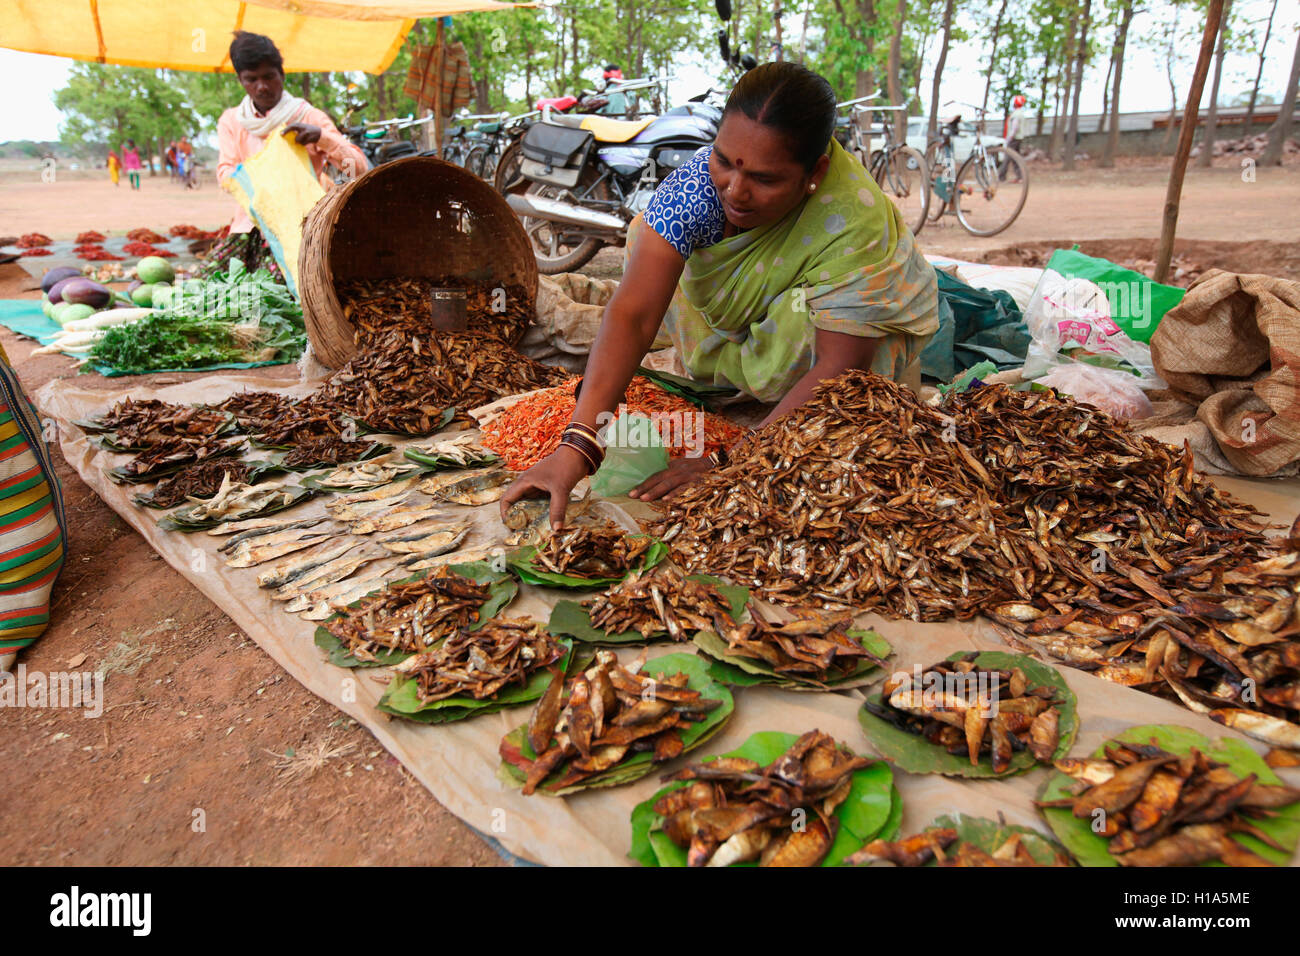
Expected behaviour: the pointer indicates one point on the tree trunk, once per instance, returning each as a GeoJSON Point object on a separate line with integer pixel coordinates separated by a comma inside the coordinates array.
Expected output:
{"type": "Point", "coordinates": [1254, 90]}
{"type": "Point", "coordinates": [1206, 159]}
{"type": "Point", "coordinates": [938, 69]}
{"type": "Point", "coordinates": [1281, 128]}
{"type": "Point", "coordinates": [1105, 93]}
{"type": "Point", "coordinates": [1042, 94]}
{"type": "Point", "coordinates": [803, 34]}
{"type": "Point", "coordinates": [1169, 75]}
{"type": "Point", "coordinates": [993, 53]}
{"type": "Point", "coordinates": [892, 73]}
{"type": "Point", "coordinates": [864, 81]}
{"type": "Point", "coordinates": [779, 49]}
{"type": "Point", "coordinates": [1080, 61]}
{"type": "Point", "coordinates": [306, 86]}
{"type": "Point", "coordinates": [1121, 40]}
{"type": "Point", "coordinates": [1165, 251]}
{"type": "Point", "coordinates": [1065, 77]}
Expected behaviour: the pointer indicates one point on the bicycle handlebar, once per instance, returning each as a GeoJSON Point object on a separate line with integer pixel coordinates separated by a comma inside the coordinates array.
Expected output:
{"type": "Point", "coordinates": [861, 99]}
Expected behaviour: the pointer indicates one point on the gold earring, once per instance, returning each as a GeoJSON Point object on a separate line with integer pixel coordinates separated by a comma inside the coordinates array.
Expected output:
{"type": "Point", "coordinates": [812, 187]}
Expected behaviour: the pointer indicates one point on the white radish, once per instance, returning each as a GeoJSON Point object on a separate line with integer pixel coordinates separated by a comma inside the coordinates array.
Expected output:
{"type": "Point", "coordinates": [107, 318]}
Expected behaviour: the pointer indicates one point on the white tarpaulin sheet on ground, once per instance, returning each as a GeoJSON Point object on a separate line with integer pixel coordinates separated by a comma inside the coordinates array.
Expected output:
{"type": "Point", "coordinates": [458, 762]}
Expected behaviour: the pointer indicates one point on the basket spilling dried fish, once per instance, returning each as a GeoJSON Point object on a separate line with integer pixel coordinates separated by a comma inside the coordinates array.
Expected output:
{"type": "Point", "coordinates": [202, 480]}
{"type": "Point", "coordinates": [587, 556]}
{"type": "Point", "coordinates": [508, 661]}
{"type": "Point", "coordinates": [1044, 513]}
{"type": "Point", "coordinates": [610, 724]}
{"type": "Point", "coordinates": [965, 841]}
{"type": "Point", "coordinates": [802, 648]}
{"type": "Point", "coordinates": [1175, 800]}
{"type": "Point", "coordinates": [974, 714]}
{"type": "Point", "coordinates": [409, 617]}
{"type": "Point", "coordinates": [376, 306]}
{"type": "Point", "coordinates": [782, 814]}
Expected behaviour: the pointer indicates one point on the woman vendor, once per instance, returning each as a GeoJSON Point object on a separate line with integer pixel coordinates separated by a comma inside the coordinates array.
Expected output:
{"type": "Point", "coordinates": [772, 261]}
{"type": "Point", "coordinates": [242, 130]}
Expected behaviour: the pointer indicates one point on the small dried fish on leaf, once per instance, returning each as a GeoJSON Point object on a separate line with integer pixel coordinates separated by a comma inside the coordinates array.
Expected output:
{"type": "Point", "coordinates": [609, 724]}
{"type": "Point", "coordinates": [782, 814]}
{"type": "Point", "coordinates": [235, 501]}
{"type": "Point", "coordinates": [1175, 800]}
{"type": "Point", "coordinates": [129, 413]}
{"type": "Point", "coordinates": [378, 306]}
{"type": "Point", "coordinates": [462, 451]}
{"type": "Point", "coordinates": [372, 474]}
{"type": "Point", "coordinates": [202, 480]}
{"type": "Point", "coordinates": [143, 426]}
{"type": "Point", "coordinates": [587, 556]}
{"type": "Point", "coordinates": [406, 617]}
{"type": "Point", "coordinates": [256, 411]}
{"type": "Point", "coordinates": [508, 661]}
{"type": "Point", "coordinates": [977, 714]}
{"type": "Point", "coordinates": [966, 841]}
{"type": "Point", "coordinates": [661, 601]}
{"type": "Point", "coordinates": [330, 450]}
{"type": "Point", "coordinates": [814, 649]}
{"type": "Point", "coordinates": [172, 455]}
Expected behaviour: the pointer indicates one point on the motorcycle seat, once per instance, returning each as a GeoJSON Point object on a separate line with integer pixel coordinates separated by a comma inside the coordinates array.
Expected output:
{"type": "Point", "coordinates": [605, 130]}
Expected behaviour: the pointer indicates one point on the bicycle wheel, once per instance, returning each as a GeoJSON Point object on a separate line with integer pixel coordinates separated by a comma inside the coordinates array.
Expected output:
{"type": "Point", "coordinates": [940, 182]}
{"type": "Point", "coordinates": [904, 177]}
{"type": "Point", "coordinates": [991, 190]}
{"type": "Point", "coordinates": [508, 177]}
{"type": "Point", "coordinates": [474, 160]}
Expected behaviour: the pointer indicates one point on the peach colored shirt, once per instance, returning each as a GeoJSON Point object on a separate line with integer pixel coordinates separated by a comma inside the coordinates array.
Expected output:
{"type": "Point", "coordinates": [237, 144]}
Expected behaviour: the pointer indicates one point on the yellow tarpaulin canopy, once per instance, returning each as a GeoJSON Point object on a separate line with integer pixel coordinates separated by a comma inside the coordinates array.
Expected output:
{"type": "Point", "coordinates": [195, 34]}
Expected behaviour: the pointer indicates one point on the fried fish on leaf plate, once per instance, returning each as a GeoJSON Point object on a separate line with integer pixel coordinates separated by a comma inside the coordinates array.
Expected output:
{"type": "Point", "coordinates": [777, 800]}
{"type": "Point", "coordinates": [1164, 795]}
{"type": "Point", "coordinates": [965, 841]}
{"type": "Point", "coordinates": [661, 604]}
{"type": "Point", "coordinates": [611, 724]}
{"type": "Point", "coordinates": [587, 556]}
{"type": "Point", "coordinates": [804, 649]}
{"type": "Point", "coordinates": [977, 714]}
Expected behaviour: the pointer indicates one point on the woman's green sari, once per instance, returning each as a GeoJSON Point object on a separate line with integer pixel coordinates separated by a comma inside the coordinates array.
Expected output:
{"type": "Point", "coordinates": [746, 309]}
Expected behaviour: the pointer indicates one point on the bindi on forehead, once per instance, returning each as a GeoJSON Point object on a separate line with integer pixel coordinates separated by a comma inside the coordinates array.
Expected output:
{"type": "Point", "coordinates": [740, 163]}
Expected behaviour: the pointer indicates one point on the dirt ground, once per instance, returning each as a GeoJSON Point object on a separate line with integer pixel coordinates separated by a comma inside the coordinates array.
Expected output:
{"type": "Point", "coordinates": [199, 718]}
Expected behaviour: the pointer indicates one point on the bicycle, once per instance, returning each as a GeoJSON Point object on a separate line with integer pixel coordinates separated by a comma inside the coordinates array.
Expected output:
{"type": "Point", "coordinates": [987, 191]}
{"type": "Point", "coordinates": [900, 170]}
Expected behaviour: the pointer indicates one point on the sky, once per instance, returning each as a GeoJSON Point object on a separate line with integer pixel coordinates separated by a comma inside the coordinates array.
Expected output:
{"type": "Point", "coordinates": [33, 115]}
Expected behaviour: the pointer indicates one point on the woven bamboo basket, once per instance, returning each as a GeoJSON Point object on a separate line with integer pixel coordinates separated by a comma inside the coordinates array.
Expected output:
{"type": "Point", "coordinates": [418, 217]}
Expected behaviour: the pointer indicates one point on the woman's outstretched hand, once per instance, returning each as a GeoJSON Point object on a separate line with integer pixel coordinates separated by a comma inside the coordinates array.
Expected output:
{"type": "Point", "coordinates": [555, 475]}
{"type": "Point", "coordinates": [664, 484]}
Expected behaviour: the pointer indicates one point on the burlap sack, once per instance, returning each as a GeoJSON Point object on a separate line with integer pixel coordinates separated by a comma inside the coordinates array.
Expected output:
{"type": "Point", "coordinates": [1233, 347]}
{"type": "Point", "coordinates": [569, 308]}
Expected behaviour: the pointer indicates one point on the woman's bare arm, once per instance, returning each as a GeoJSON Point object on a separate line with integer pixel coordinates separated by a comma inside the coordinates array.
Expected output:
{"type": "Point", "coordinates": [836, 353]}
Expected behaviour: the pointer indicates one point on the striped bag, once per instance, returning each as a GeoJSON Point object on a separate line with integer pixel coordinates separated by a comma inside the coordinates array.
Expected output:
{"type": "Point", "coordinates": [32, 521]}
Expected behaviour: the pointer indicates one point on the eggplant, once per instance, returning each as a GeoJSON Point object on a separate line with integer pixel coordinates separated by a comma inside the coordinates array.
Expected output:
{"type": "Point", "coordinates": [55, 276]}
{"type": "Point", "coordinates": [83, 291]}
{"type": "Point", "coordinates": [56, 290]}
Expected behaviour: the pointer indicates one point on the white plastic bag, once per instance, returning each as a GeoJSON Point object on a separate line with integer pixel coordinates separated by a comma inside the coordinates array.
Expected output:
{"type": "Point", "coordinates": [1116, 393]}
{"type": "Point", "coordinates": [1074, 314]}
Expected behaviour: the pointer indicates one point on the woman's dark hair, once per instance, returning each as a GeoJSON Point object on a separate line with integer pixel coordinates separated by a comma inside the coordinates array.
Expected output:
{"type": "Point", "coordinates": [791, 99]}
{"type": "Point", "coordinates": [248, 51]}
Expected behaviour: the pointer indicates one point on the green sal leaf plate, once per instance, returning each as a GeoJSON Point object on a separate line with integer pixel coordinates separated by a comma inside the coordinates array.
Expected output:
{"type": "Point", "coordinates": [402, 700]}
{"type": "Point", "coordinates": [746, 671]}
{"type": "Point", "coordinates": [988, 835]}
{"type": "Point", "coordinates": [502, 589]}
{"type": "Point", "coordinates": [438, 463]}
{"type": "Point", "coordinates": [915, 754]}
{"type": "Point", "coordinates": [570, 617]}
{"type": "Point", "coordinates": [257, 471]}
{"type": "Point", "coordinates": [1090, 849]}
{"type": "Point", "coordinates": [121, 476]}
{"type": "Point", "coordinates": [697, 393]}
{"type": "Point", "coordinates": [521, 562]}
{"type": "Point", "coordinates": [178, 520]}
{"type": "Point", "coordinates": [515, 746]}
{"type": "Point", "coordinates": [317, 481]}
{"type": "Point", "coordinates": [873, 808]}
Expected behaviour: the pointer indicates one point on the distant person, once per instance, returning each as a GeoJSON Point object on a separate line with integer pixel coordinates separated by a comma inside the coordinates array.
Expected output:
{"type": "Point", "coordinates": [114, 167]}
{"type": "Point", "coordinates": [185, 161]}
{"type": "Point", "coordinates": [131, 163]}
{"type": "Point", "coordinates": [617, 105]}
{"type": "Point", "coordinates": [169, 161]}
{"type": "Point", "coordinates": [1013, 126]}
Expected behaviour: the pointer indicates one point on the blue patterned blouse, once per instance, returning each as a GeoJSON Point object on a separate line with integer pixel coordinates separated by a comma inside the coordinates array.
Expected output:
{"type": "Point", "coordinates": [686, 208]}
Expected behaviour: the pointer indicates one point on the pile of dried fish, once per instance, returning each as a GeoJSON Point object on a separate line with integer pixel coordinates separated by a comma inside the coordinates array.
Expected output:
{"type": "Point", "coordinates": [1024, 505]}
{"type": "Point", "coordinates": [463, 451]}
{"type": "Point", "coordinates": [202, 480]}
{"type": "Point", "coordinates": [376, 306]}
{"type": "Point", "coordinates": [144, 425]}
{"type": "Point", "coordinates": [813, 647]}
{"type": "Point", "coordinates": [591, 723]}
{"type": "Point", "coordinates": [1157, 808]}
{"type": "Point", "coordinates": [480, 664]}
{"type": "Point", "coordinates": [974, 710]}
{"type": "Point", "coordinates": [599, 551]}
{"type": "Point", "coordinates": [367, 474]}
{"type": "Point", "coordinates": [171, 455]}
{"type": "Point", "coordinates": [661, 600]}
{"type": "Point", "coordinates": [410, 617]}
{"type": "Point", "coordinates": [468, 488]}
{"type": "Point", "coordinates": [738, 810]}
{"type": "Point", "coordinates": [235, 500]}
{"type": "Point", "coordinates": [130, 413]}
{"type": "Point", "coordinates": [330, 450]}
{"type": "Point", "coordinates": [255, 412]}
